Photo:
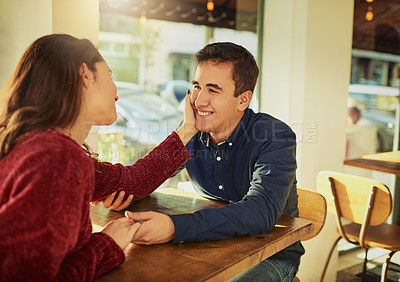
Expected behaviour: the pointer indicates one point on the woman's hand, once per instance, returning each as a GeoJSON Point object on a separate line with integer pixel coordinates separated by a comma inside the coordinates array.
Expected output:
{"type": "Point", "coordinates": [121, 230]}
{"type": "Point", "coordinates": [188, 129]}
{"type": "Point", "coordinates": [115, 202]}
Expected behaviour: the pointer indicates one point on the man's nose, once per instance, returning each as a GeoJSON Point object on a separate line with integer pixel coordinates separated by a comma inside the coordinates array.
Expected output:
{"type": "Point", "coordinates": [201, 99]}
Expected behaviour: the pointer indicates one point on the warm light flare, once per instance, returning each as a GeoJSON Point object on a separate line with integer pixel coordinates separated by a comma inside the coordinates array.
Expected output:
{"type": "Point", "coordinates": [210, 5]}
{"type": "Point", "coordinates": [369, 16]}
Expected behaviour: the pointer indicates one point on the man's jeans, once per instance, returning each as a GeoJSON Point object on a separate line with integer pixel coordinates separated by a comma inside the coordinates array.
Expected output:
{"type": "Point", "coordinates": [270, 270]}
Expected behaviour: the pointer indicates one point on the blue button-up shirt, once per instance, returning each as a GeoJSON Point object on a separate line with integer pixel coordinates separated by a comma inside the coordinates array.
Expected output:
{"type": "Point", "coordinates": [254, 170]}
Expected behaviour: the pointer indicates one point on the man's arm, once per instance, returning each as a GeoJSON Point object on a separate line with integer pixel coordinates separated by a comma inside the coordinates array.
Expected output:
{"type": "Point", "coordinates": [272, 180]}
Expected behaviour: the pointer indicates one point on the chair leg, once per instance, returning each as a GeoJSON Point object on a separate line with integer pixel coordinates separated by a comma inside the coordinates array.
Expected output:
{"type": "Point", "coordinates": [385, 267]}
{"type": "Point", "coordinates": [329, 258]}
{"type": "Point", "coordinates": [365, 265]}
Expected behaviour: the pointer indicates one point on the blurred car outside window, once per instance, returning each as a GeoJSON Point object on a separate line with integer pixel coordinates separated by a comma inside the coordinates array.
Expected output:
{"type": "Point", "coordinates": [174, 91]}
{"type": "Point", "coordinates": [144, 120]}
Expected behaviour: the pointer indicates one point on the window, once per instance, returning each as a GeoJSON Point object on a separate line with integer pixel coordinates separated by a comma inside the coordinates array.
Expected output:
{"type": "Point", "coordinates": [150, 47]}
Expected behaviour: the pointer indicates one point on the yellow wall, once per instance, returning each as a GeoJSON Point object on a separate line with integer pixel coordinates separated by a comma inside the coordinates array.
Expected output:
{"type": "Point", "coordinates": [76, 17]}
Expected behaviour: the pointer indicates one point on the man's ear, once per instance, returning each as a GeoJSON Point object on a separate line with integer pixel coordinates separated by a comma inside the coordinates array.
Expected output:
{"type": "Point", "coordinates": [87, 75]}
{"type": "Point", "coordinates": [245, 99]}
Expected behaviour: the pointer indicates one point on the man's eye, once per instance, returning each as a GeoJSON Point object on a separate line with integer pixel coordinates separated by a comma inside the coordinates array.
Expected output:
{"type": "Point", "coordinates": [213, 91]}
{"type": "Point", "coordinates": [196, 87]}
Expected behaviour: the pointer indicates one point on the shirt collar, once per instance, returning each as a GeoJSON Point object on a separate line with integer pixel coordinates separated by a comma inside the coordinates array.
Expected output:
{"type": "Point", "coordinates": [206, 139]}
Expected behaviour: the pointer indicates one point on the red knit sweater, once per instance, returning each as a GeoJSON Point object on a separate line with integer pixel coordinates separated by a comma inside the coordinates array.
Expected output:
{"type": "Point", "coordinates": [46, 184]}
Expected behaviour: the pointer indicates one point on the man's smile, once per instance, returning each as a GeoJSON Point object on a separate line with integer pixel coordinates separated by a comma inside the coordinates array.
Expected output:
{"type": "Point", "coordinates": [204, 113]}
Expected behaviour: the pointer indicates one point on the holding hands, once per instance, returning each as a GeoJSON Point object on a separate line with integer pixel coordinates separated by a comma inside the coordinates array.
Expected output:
{"type": "Point", "coordinates": [121, 230]}
{"type": "Point", "coordinates": [156, 228]}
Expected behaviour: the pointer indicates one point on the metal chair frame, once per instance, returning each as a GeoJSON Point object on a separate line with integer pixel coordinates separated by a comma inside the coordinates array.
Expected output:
{"type": "Point", "coordinates": [363, 229]}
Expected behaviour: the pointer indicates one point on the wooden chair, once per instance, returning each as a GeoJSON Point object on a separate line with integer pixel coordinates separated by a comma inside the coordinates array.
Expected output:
{"type": "Point", "coordinates": [364, 204]}
{"type": "Point", "coordinates": [312, 206]}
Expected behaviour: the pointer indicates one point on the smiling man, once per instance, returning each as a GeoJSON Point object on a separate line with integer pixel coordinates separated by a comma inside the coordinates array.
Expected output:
{"type": "Point", "coordinates": [215, 100]}
{"type": "Point", "coordinates": [238, 156]}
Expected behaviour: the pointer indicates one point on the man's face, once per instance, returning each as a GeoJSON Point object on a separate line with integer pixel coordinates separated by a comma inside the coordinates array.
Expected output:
{"type": "Point", "coordinates": [216, 108]}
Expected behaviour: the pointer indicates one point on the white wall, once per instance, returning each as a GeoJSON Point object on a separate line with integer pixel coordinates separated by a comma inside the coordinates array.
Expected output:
{"type": "Point", "coordinates": [305, 74]}
{"type": "Point", "coordinates": [18, 28]}
{"type": "Point", "coordinates": [21, 22]}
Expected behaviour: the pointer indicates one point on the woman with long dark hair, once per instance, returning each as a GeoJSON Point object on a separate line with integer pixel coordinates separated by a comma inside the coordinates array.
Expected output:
{"type": "Point", "coordinates": [60, 88]}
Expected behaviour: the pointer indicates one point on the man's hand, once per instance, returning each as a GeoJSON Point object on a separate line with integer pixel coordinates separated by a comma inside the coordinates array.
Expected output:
{"type": "Point", "coordinates": [156, 228]}
{"type": "Point", "coordinates": [121, 230]}
{"type": "Point", "coordinates": [115, 202]}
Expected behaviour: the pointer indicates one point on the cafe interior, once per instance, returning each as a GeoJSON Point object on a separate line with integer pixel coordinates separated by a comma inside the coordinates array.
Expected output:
{"type": "Point", "coordinates": [319, 60]}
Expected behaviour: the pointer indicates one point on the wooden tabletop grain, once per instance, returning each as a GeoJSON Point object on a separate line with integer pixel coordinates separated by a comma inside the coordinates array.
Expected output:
{"type": "Point", "coordinates": [196, 261]}
{"type": "Point", "coordinates": [388, 162]}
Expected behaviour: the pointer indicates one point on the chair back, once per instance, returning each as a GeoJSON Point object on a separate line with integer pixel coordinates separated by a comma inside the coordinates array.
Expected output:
{"type": "Point", "coordinates": [353, 196]}
{"type": "Point", "coordinates": [312, 206]}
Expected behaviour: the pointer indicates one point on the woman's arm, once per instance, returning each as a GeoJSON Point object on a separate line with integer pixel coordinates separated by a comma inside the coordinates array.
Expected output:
{"type": "Point", "coordinates": [143, 177]}
{"type": "Point", "coordinates": [46, 231]}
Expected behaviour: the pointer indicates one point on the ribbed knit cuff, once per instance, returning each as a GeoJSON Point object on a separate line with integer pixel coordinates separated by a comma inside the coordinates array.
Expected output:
{"type": "Point", "coordinates": [112, 254]}
{"type": "Point", "coordinates": [182, 153]}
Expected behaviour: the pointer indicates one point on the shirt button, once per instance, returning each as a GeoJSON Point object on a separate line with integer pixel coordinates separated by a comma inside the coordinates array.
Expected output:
{"type": "Point", "coordinates": [230, 144]}
{"type": "Point", "coordinates": [218, 158]}
{"type": "Point", "coordinates": [220, 187]}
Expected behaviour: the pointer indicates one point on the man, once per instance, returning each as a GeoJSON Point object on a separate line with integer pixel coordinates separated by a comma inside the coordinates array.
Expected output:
{"type": "Point", "coordinates": [238, 156]}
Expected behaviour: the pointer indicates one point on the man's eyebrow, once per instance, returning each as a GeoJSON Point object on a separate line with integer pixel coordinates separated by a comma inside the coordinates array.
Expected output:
{"type": "Point", "coordinates": [213, 85]}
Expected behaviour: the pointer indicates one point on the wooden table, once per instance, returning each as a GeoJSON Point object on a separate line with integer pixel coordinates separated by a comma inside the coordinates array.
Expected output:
{"type": "Point", "coordinates": [196, 261]}
{"type": "Point", "coordinates": [386, 162]}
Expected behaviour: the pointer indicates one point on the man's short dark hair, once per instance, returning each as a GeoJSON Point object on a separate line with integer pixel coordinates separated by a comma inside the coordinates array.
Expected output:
{"type": "Point", "coordinates": [245, 70]}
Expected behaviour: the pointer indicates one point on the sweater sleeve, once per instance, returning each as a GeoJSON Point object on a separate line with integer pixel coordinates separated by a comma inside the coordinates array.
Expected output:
{"type": "Point", "coordinates": [143, 177]}
{"type": "Point", "coordinates": [45, 226]}
{"type": "Point", "coordinates": [101, 249]}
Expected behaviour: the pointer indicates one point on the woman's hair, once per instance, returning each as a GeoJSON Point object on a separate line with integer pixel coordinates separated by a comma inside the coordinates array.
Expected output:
{"type": "Point", "coordinates": [245, 70]}
{"type": "Point", "coordinates": [45, 89]}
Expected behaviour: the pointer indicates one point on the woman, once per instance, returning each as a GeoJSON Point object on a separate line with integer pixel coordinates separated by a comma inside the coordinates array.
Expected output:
{"type": "Point", "coordinates": [60, 88]}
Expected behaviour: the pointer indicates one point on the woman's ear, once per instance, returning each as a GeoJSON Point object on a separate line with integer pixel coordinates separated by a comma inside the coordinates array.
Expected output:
{"type": "Point", "coordinates": [245, 99]}
{"type": "Point", "coordinates": [87, 75]}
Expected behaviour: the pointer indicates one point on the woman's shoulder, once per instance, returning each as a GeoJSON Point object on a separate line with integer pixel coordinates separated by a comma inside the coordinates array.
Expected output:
{"type": "Point", "coordinates": [50, 144]}
{"type": "Point", "coordinates": [48, 140]}
{"type": "Point", "coordinates": [48, 154]}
